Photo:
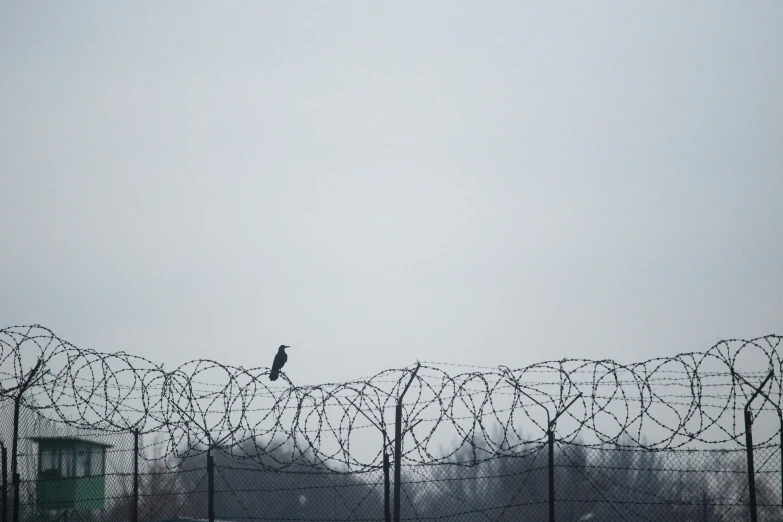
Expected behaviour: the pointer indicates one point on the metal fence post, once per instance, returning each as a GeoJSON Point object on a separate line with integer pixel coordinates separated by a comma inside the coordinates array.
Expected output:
{"type": "Point", "coordinates": [397, 458]}
{"type": "Point", "coordinates": [136, 475]}
{"type": "Point", "coordinates": [210, 487]}
{"type": "Point", "coordinates": [749, 426]}
{"type": "Point", "coordinates": [751, 474]}
{"type": "Point", "coordinates": [386, 465]}
{"type": "Point", "coordinates": [15, 441]}
{"type": "Point", "coordinates": [398, 448]}
{"type": "Point", "coordinates": [749, 450]}
{"type": "Point", "coordinates": [15, 484]}
{"type": "Point", "coordinates": [550, 433]}
{"type": "Point", "coordinates": [4, 513]}
{"type": "Point", "coordinates": [551, 437]}
{"type": "Point", "coordinates": [386, 486]}
{"type": "Point", "coordinates": [14, 449]}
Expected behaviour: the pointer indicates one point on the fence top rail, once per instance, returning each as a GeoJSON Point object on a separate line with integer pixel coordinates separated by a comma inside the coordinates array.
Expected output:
{"type": "Point", "coordinates": [686, 401]}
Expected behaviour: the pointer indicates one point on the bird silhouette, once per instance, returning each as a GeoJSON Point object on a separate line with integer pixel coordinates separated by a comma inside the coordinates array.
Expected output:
{"type": "Point", "coordinates": [280, 360]}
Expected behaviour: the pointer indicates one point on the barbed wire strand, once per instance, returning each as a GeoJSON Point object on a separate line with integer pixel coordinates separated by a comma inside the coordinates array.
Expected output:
{"type": "Point", "coordinates": [660, 404]}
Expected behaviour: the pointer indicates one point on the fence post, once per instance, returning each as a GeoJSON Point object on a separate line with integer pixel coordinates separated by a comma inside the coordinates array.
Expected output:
{"type": "Point", "coordinates": [15, 485]}
{"type": "Point", "coordinates": [551, 437]}
{"type": "Point", "coordinates": [4, 514]}
{"type": "Point", "coordinates": [550, 433]}
{"type": "Point", "coordinates": [386, 465]}
{"type": "Point", "coordinates": [210, 486]}
{"type": "Point", "coordinates": [780, 416]}
{"type": "Point", "coordinates": [398, 448]}
{"type": "Point", "coordinates": [136, 475]}
{"type": "Point", "coordinates": [386, 486]}
{"type": "Point", "coordinates": [751, 474]}
{"type": "Point", "coordinates": [749, 450]}
{"type": "Point", "coordinates": [397, 458]}
{"type": "Point", "coordinates": [14, 449]}
{"type": "Point", "coordinates": [15, 441]}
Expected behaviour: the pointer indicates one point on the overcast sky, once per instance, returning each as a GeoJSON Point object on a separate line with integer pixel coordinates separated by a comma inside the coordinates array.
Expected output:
{"type": "Point", "coordinates": [376, 183]}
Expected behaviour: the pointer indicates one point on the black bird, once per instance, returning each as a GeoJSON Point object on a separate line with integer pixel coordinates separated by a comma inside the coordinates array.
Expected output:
{"type": "Point", "coordinates": [280, 360]}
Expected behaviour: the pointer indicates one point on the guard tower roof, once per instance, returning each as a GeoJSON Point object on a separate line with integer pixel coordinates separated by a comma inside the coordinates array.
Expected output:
{"type": "Point", "coordinates": [67, 440]}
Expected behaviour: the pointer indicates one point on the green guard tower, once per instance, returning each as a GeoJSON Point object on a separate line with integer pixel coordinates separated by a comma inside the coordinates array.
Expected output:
{"type": "Point", "coordinates": [71, 474]}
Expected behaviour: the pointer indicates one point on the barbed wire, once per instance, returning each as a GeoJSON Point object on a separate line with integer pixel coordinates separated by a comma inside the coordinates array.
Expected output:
{"type": "Point", "coordinates": [474, 415]}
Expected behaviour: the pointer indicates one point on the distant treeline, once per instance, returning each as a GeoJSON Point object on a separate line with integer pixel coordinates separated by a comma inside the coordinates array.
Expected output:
{"type": "Point", "coordinates": [590, 484]}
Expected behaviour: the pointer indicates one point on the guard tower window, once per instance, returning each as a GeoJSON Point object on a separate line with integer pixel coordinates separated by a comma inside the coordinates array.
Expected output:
{"type": "Point", "coordinates": [66, 463]}
{"type": "Point", "coordinates": [50, 463]}
{"type": "Point", "coordinates": [97, 461]}
{"type": "Point", "coordinates": [83, 463]}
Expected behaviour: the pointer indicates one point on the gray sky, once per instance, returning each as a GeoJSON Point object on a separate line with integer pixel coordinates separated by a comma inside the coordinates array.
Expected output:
{"type": "Point", "coordinates": [486, 183]}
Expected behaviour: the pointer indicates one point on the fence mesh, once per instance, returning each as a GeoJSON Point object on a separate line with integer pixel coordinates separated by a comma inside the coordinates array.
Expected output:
{"type": "Point", "coordinates": [636, 484]}
{"type": "Point", "coordinates": [590, 483]}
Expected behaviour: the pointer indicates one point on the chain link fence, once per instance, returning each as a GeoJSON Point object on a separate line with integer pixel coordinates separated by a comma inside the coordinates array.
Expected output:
{"type": "Point", "coordinates": [637, 484]}
{"type": "Point", "coordinates": [85, 475]}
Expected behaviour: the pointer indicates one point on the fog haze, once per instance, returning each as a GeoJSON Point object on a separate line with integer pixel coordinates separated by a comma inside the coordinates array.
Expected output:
{"type": "Point", "coordinates": [375, 184]}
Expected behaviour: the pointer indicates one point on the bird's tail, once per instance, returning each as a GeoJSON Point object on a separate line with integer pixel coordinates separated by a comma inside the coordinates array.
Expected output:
{"type": "Point", "coordinates": [273, 375]}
